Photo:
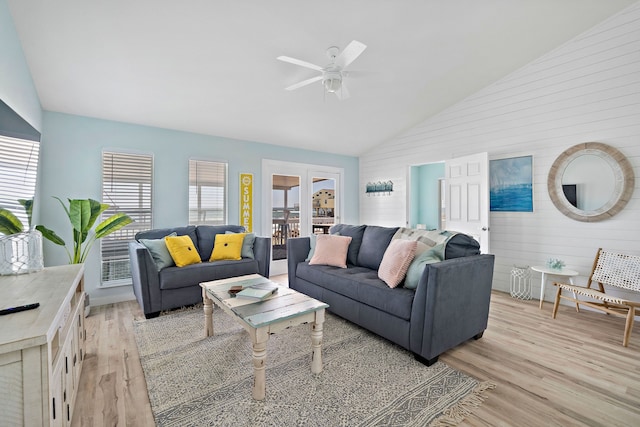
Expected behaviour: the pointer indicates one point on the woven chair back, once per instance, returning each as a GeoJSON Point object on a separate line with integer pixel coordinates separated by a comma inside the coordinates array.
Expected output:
{"type": "Point", "coordinates": [620, 270]}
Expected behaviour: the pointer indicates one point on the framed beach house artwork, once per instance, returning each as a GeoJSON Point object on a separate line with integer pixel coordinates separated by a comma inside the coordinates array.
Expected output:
{"type": "Point", "coordinates": [511, 184]}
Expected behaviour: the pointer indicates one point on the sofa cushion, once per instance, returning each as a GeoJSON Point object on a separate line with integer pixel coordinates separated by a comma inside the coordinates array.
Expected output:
{"type": "Point", "coordinates": [360, 284]}
{"type": "Point", "coordinates": [159, 233]}
{"type": "Point", "coordinates": [227, 246]}
{"type": "Point", "coordinates": [355, 232]}
{"type": "Point", "coordinates": [193, 275]}
{"type": "Point", "coordinates": [182, 250]}
{"type": "Point", "coordinates": [159, 252]}
{"type": "Point", "coordinates": [396, 260]}
{"type": "Point", "coordinates": [374, 243]}
{"type": "Point", "coordinates": [207, 236]}
{"type": "Point", "coordinates": [331, 250]}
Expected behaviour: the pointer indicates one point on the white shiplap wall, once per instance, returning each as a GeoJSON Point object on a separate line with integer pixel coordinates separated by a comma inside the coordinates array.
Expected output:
{"type": "Point", "coordinates": [586, 90]}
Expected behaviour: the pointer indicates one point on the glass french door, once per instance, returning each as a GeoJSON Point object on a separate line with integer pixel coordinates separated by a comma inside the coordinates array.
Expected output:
{"type": "Point", "coordinates": [323, 203]}
{"type": "Point", "coordinates": [303, 199]}
{"type": "Point", "coordinates": [285, 213]}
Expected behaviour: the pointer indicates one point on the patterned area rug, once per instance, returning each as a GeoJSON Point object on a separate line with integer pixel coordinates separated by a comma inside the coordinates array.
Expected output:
{"type": "Point", "coordinates": [366, 380]}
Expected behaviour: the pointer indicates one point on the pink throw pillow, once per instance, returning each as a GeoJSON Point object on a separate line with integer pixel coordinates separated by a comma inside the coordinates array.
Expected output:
{"type": "Point", "coordinates": [396, 261]}
{"type": "Point", "coordinates": [331, 250]}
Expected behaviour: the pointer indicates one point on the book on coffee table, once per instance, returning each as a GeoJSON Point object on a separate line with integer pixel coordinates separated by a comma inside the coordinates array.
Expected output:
{"type": "Point", "coordinates": [258, 292]}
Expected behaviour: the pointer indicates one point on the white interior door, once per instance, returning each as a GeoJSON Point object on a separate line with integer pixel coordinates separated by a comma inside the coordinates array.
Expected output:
{"type": "Point", "coordinates": [467, 197]}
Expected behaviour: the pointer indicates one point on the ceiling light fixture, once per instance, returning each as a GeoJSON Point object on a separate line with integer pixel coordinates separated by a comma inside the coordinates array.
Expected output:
{"type": "Point", "coordinates": [332, 81]}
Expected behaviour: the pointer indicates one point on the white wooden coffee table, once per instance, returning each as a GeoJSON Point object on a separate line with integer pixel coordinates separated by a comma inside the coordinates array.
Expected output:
{"type": "Point", "coordinates": [286, 308]}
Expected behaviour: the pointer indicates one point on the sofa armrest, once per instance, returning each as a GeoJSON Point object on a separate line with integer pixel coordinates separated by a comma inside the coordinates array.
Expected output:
{"type": "Point", "coordinates": [451, 304]}
{"type": "Point", "coordinates": [144, 274]}
{"type": "Point", "coordinates": [297, 251]}
{"type": "Point", "coordinates": [262, 254]}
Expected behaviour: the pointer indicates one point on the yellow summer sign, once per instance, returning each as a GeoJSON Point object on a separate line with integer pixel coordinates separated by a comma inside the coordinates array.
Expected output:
{"type": "Point", "coordinates": [246, 201]}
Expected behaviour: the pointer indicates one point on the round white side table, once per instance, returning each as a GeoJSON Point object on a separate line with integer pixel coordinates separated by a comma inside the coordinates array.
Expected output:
{"type": "Point", "coordinates": [554, 272]}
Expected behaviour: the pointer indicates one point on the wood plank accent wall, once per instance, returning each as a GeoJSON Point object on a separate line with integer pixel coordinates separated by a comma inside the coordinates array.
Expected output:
{"type": "Point", "coordinates": [585, 90]}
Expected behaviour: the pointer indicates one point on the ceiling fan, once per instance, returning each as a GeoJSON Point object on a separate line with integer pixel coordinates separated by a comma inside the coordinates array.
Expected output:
{"type": "Point", "coordinates": [332, 76]}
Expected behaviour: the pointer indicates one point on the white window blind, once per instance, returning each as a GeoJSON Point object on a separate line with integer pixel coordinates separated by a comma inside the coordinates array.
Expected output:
{"type": "Point", "coordinates": [127, 181]}
{"type": "Point", "coordinates": [207, 192]}
{"type": "Point", "coordinates": [18, 170]}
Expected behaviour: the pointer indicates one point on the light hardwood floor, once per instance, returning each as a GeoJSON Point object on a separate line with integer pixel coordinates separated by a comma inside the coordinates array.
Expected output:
{"type": "Point", "coordinates": [564, 372]}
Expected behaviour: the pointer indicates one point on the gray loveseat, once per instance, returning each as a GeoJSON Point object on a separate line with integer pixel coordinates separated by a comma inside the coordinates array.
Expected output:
{"type": "Point", "coordinates": [174, 287]}
{"type": "Point", "coordinates": [449, 306]}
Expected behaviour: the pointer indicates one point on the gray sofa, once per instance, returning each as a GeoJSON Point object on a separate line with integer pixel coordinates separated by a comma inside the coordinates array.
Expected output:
{"type": "Point", "coordinates": [449, 306]}
{"type": "Point", "coordinates": [174, 287]}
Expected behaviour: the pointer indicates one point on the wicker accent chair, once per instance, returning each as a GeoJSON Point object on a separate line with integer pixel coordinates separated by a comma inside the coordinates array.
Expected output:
{"type": "Point", "coordinates": [611, 269]}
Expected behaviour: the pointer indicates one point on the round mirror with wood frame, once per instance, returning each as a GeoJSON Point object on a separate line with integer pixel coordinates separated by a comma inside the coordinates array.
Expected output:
{"type": "Point", "coordinates": [623, 185]}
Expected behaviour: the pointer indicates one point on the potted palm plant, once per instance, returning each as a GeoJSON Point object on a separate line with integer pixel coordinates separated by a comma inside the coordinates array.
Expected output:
{"type": "Point", "coordinates": [20, 250]}
{"type": "Point", "coordinates": [83, 214]}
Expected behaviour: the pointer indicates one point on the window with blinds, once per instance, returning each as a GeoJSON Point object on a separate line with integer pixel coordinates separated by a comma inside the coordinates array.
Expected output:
{"type": "Point", "coordinates": [18, 171]}
{"type": "Point", "coordinates": [207, 192]}
{"type": "Point", "coordinates": [126, 187]}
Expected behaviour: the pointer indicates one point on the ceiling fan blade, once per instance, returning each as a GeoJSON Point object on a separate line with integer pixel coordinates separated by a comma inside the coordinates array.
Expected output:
{"type": "Point", "coordinates": [299, 62]}
{"type": "Point", "coordinates": [350, 53]}
{"type": "Point", "coordinates": [304, 83]}
{"type": "Point", "coordinates": [343, 93]}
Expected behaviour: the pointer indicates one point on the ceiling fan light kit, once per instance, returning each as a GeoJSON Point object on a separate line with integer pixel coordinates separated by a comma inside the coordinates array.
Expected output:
{"type": "Point", "coordinates": [332, 81]}
{"type": "Point", "coordinates": [333, 75]}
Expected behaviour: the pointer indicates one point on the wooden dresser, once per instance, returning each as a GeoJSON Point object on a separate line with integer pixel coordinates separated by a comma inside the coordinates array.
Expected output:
{"type": "Point", "coordinates": [41, 350]}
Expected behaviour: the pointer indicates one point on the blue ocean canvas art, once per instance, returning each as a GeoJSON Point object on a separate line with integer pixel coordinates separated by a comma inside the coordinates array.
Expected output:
{"type": "Point", "coordinates": [511, 182]}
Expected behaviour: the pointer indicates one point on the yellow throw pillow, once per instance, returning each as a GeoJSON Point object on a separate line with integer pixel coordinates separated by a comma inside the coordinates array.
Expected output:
{"type": "Point", "coordinates": [182, 250]}
{"type": "Point", "coordinates": [227, 246]}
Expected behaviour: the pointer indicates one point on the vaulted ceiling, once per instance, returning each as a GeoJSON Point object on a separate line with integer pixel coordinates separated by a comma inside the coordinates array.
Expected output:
{"type": "Point", "coordinates": [210, 67]}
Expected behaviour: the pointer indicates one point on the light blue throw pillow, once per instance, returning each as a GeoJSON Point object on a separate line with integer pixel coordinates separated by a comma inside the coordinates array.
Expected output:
{"type": "Point", "coordinates": [247, 245]}
{"type": "Point", "coordinates": [159, 252]}
{"type": "Point", "coordinates": [430, 256]}
{"type": "Point", "coordinates": [312, 243]}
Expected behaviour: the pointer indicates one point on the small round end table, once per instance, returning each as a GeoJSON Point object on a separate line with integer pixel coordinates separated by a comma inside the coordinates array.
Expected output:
{"type": "Point", "coordinates": [554, 272]}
